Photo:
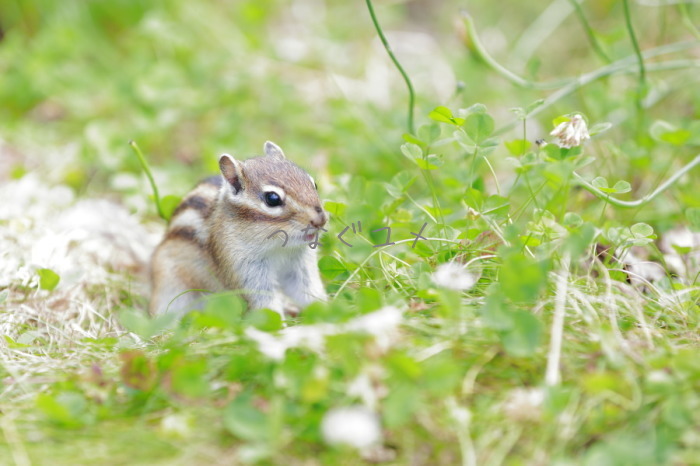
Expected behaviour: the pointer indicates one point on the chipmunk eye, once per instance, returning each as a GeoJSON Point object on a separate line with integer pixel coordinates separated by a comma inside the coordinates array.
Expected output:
{"type": "Point", "coordinates": [272, 199]}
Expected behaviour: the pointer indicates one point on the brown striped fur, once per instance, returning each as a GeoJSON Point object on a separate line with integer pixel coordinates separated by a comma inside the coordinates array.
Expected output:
{"type": "Point", "coordinates": [223, 236]}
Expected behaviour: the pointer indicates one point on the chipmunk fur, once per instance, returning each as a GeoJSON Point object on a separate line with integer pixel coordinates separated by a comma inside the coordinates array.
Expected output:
{"type": "Point", "coordinates": [225, 235]}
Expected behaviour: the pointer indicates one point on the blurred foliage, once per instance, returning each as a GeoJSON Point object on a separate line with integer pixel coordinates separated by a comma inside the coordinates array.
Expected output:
{"type": "Point", "coordinates": [465, 376]}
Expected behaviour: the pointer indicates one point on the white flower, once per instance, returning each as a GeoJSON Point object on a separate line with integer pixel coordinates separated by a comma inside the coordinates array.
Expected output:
{"type": "Point", "coordinates": [454, 277]}
{"type": "Point", "coordinates": [524, 404]}
{"type": "Point", "coordinates": [571, 133]}
{"type": "Point", "coordinates": [355, 426]}
{"type": "Point", "coordinates": [176, 425]}
{"type": "Point", "coordinates": [383, 324]}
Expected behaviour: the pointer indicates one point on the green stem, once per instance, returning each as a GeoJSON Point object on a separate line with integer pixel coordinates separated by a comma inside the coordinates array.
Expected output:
{"type": "Point", "coordinates": [637, 50]}
{"type": "Point", "coordinates": [149, 175]}
{"type": "Point", "coordinates": [387, 47]}
{"type": "Point", "coordinates": [436, 204]}
{"type": "Point", "coordinates": [589, 31]}
{"type": "Point", "coordinates": [481, 52]}
{"type": "Point", "coordinates": [685, 14]}
{"type": "Point", "coordinates": [621, 66]}
{"type": "Point", "coordinates": [639, 202]}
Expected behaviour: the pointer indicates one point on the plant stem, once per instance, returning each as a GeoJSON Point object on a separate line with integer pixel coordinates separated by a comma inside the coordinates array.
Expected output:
{"type": "Point", "coordinates": [387, 47]}
{"type": "Point", "coordinates": [149, 175]}
{"type": "Point", "coordinates": [481, 52]}
{"type": "Point", "coordinates": [621, 66]}
{"type": "Point", "coordinates": [552, 374]}
{"type": "Point", "coordinates": [589, 31]}
{"type": "Point", "coordinates": [663, 187]}
{"type": "Point", "coordinates": [683, 7]}
{"type": "Point", "coordinates": [635, 44]}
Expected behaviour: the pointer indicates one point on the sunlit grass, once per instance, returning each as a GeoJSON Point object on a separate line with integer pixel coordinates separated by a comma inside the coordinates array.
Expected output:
{"type": "Point", "coordinates": [570, 336]}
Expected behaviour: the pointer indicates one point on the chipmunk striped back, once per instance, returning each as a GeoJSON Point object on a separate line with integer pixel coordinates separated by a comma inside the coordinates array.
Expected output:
{"type": "Point", "coordinates": [189, 220]}
{"type": "Point", "coordinates": [225, 235]}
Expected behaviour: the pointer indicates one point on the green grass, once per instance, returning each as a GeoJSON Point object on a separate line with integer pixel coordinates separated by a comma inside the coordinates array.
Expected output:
{"type": "Point", "coordinates": [574, 342]}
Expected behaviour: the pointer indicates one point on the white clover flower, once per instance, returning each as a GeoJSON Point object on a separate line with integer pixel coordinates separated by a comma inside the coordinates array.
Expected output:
{"type": "Point", "coordinates": [176, 425]}
{"type": "Point", "coordinates": [454, 276]}
{"type": "Point", "coordinates": [524, 404]}
{"type": "Point", "coordinates": [355, 426]}
{"type": "Point", "coordinates": [383, 324]}
{"type": "Point", "coordinates": [571, 133]}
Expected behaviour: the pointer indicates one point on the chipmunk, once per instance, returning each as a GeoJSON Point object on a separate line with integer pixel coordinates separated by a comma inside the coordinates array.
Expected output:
{"type": "Point", "coordinates": [225, 235]}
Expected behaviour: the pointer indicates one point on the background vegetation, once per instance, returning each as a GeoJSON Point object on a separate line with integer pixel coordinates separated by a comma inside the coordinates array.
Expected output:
{"type": "Point", "coordinates": [568, 334]}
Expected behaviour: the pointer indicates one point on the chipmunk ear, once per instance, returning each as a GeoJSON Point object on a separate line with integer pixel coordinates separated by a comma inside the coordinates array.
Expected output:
{"type": "Point", "coordinates": [273, 150]}
{"type": "Point", "coordinates": [232, 170]}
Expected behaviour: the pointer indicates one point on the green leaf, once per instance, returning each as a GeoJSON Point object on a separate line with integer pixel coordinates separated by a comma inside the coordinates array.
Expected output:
{"type": "Point", "coordinates": [599, 128]}
{"type": "Point", "coordinates": [368, 300]}
{"type": "Point", "coordinates": [666, 132]}
{"type": "Point", "coordinates": [425, 165]}
{"type": "Point", "coordinates": [496, 206]}
{"type": "Point", "coordinates": [441, 373]}
{"type": "Point", "coordinates": [692, 214]}
{"type": "Point", "coordinates": [681, 250]}
{"type": "Point", "coordinates": [403, 367]}
{"type": "Point", "coordinates": [48, 279]}
{"type": "Point", "coordinates": [475, 108]}
{"type": "Point", "coordinates": [412, 139]}
{"type": "Point", "coordinates": [600, 183]}
{"type": "Point", "coordinates": [580, 239]}
{"type": "Point", "coordinates": [138, 371]}
{"type": "Point", "coordinates": [519, 112]}
{"type": "Point", "coordinates": [444, 115]}
{"type": "Point", "coordinates": [518, 146]}
{"type": "Point", "coordinates": [463, 140]}
{"type": "Point", "coordinates": [266, 320]}
{"type": "Point", "coordinates": [400, 404]}
{"type": "Point", "coordinates": [429, 132]}
{"type": "Point", "coordinates": [641, 230]}
{"type": "Point", "coordinates": [495, 313]}
{"type": "Point", "coordinates": [168, 204]}
{"type": "Point", "coordinates": [18, 171]}
{"type": "Point", "coordinates": [622, 187]}
{"type": "Point", "coordinates": [412, 151]}
{"type": "Point", "coordinates": [524, 336]}
{"type": "Point", "coordinates": [55, 411]}
{"type": "Point", "coordinates": [189, 378]}
{"type": "Point", "coordinates": [222, 310]}
{"type": "Point", "coordinates": [330, 267]}
{"type": "Point", "coordinates": [336, 209]}
{"type": "Point", "coordinates": [522, 278]}
{"type": "Point", "coordinates": [572, 220]}
{"type": "Point", "coordinates": [143, 326]}
{"type": "Point", "coordinates": [69, 409]}
{"type": "Point", "coordinates": [479, 126]}
{"type": "Point", "coordinates": [534, 105]}
{"type": "Point", "coordinates": [245, 421]}
{"type": "Point", "coordinates": [399, 184]}
{"type": "Point", "coordinates": [559, 120]}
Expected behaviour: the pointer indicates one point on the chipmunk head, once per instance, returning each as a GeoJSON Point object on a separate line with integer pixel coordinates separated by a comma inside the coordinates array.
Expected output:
{"type": "Point", "coordinates": [273, 193]}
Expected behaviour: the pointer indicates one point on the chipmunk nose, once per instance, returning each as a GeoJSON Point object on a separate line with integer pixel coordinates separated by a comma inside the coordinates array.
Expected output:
{"type": "Point", "coordinates": [319, 219]}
